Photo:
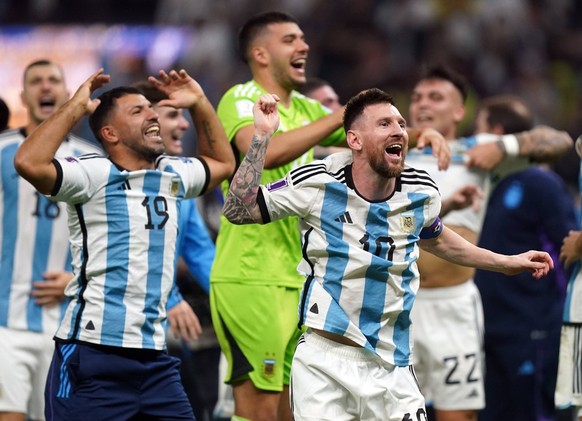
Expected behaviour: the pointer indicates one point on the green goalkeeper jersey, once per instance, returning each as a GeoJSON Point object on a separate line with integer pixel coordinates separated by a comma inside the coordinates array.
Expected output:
{"type": "Point", "coordinates": [264, 254]}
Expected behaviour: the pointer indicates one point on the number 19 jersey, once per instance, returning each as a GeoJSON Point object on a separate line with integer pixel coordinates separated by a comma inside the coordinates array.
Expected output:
{"type": "Point", "coordinates": [123, 226]}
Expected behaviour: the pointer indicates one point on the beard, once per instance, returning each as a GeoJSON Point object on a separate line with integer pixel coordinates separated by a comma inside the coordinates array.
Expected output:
{"type": "Point", "coordinates": [378, 164]}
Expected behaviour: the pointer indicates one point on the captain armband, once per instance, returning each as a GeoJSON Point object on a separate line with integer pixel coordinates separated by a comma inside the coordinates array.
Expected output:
{"type": "Point", "coordinates": [434, 230]}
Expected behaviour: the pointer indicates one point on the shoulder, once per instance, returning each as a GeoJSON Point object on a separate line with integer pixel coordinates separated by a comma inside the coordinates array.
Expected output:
{"type": "Point", "coordinates": [301, 101]}
{"type": "Point", "coordinates": [330, 169]}
{"type": "Point", "coordinates": [414, 178]}
{"type": "Point", "coordinates": [11, 136]}
{"type": "Point", "coordinates": [84, 145]}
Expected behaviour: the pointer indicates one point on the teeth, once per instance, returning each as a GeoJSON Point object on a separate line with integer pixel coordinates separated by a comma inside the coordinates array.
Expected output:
{"type": "Point", "coordinates": [153, 130]}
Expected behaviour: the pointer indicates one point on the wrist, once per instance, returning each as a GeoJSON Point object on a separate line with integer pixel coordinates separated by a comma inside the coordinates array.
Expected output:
{"type": "Point", "coordinates": [510, 145]}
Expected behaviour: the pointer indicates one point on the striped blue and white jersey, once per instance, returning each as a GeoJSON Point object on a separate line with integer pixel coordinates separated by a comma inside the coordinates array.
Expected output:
{"type": "Point", "coordinates": [359, 256]}
{"type": "Point", "coordinates": [35, 238]}
{"type": "Point", "coordinates": [573, 303]}
{"type": "Point", "coordinates": [123, 226]}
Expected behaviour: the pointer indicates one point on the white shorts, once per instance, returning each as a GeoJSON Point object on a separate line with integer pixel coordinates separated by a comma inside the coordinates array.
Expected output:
{"type": "Point", "coordinates": [331, 381]}
{"type": "Point", "coordinates": [569, 383]}
{"type": "Point", "coordinates": [447, 330]}
{"type": "Point", "coordinates": [25, 358]}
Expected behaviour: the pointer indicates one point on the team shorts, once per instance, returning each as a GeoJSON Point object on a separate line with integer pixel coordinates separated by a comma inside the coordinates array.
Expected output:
{"type": "Point", "coordinates": [256, 326]}
{"type": "Point", "coordinates": [332, 381]}
{"type": "Point", "coordinates": [447, 330]}
{"type": "Point", "coordinates": [110, 383]}
{"type": "Point", "coordinates": [569, 383]}
{"type": "Point", "coordinates": [25, 358]}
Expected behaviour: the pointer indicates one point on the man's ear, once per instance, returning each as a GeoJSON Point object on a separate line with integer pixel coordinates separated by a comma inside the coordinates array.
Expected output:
{"type": "Point", "coordinates": [354, 140]}
{"type": "Point", "coordinates": [260, 55]}
{"type": "Point", "coordinates": [109, 134]}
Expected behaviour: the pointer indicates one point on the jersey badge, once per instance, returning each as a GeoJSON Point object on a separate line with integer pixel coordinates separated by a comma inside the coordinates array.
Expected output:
{"type": "Point", "coordinates": [269, 367]}
{"type": "Point", "coordinates": [174, 188]}
{"type": "Point", "coordinates": [407, 222]}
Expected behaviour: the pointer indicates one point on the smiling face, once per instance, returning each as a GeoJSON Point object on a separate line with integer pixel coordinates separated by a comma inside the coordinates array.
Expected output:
{"type": "Point", "coordinates": [43, 91]}
{"type": "Point", "coordinates": [380, 136]}
{"type": "Point", "coordinates": [285, 52]}
{"type": "Point", "coordinates": [173, 125]}
{"type": "Point", "coordinates": [437, 104]}
{"type": "Point", "coordinates": [134, 126]}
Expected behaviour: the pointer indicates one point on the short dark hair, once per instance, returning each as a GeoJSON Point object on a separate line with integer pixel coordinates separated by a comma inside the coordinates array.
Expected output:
{"type": "Point", "coordinates": [4, 115]}
{"type": "Point", "coordinates": [152, 94]}
{"type": "Point", "coordinates": [41, 62]}
{"type": "Point", "coordinates": [440, 71]}
{"type": "Point", "coordinates": [108, 102]}
{"type": "Point", "coordinates": [312, 84]}
{"type": "Point", "coordinates": [255, 25]}
{"type": "Point", "coordinates": [356, 105]}
{"type": "Point", "coordinates": [509, 112]}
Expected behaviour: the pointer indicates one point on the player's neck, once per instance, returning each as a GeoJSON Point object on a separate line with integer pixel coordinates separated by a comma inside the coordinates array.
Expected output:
{"type": "Point", "coordinates": [371, 185]}
{"type": "Point", "coordinates": [272, 87]}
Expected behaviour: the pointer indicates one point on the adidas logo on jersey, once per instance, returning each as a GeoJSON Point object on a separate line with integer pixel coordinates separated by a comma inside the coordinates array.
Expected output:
{"type": "Point", "coordinates": [314, 309]}
{"type": "Point", "coordinates": [473, 394]}
{"type": "Point", "coordinates": [345, 218]}
{"type": "Point", "coordinates": [90, 325]}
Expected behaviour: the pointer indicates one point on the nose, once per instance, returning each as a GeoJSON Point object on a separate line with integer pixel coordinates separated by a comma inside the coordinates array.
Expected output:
{"type": "Point", "coordinates": [303, 45]}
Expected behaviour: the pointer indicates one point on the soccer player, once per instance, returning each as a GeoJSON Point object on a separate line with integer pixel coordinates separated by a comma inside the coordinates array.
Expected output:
{"type": "Point", "coordinates": [196, 250]}
{"type": "Point", "coordinates": [109, 358]}
{"type": "Point", "coordinates": [35, 263]}
{"type": "Point", "coordinates": [569, 388]}
{"type": "Point", "coordinates": [254, 303]}
{"type": "Point", "coordinates": [448, 315]}
{"type": "Point", "coordinates": [363, 216]}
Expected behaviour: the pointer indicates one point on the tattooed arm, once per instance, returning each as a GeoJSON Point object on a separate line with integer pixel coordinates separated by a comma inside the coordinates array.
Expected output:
{"type": "Point", "coordinates": [541, 144]}
{"type": "Point", "coordinates": [240, 205]}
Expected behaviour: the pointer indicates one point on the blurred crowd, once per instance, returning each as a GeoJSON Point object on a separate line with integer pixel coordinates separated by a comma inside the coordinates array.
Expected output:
{"type": "Point", "coordinates": [529, 48]}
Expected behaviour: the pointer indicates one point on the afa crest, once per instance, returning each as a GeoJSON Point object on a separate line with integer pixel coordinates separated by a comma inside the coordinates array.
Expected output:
{"type": "Point", "coordinates": [407, 222]}
{"type": "Point", "coordinates": [174, 188]}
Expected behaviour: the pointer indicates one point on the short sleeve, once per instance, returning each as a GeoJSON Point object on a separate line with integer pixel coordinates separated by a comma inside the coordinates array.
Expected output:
{"type": "Point", "coordinates": [78, 178]}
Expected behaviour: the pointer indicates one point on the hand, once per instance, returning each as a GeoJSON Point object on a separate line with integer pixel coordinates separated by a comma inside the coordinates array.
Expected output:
{"type": "Point", "coordinates": [181, 89]}
{"type": "Point", "coordinates": [439, 145]}
{"type": "Point", "coordinates": [466, 196]}
{"type": "Point", "coordinates": [266, 114]}
{"type": "Point", "coordinates": [538, 263]}
{"type": "Point", "coordinates": [570, 250]}
{"type": "Point", "coordinates": [184, 322]}
{"type": "Point", "coordinates": [83, 93]}
{"type": "Point", "coordinates": [484, 156]}
{"type": "Point", "coordinates": [51, 291]}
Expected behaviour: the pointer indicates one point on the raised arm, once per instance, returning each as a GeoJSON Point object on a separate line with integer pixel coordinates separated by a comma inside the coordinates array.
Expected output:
{"type": "Point", "coordinates": [541, 144]}
{"type": "Point", "coordinates": [287, 146]}
{"type": "Point", "coordinates": [454, 248]}
{"type": "Point", "coordinates": [33, 160]}
{"type": "Point", "coordinates": [240, 205]}
{"type": "Point", "coordinates": [184, 92]}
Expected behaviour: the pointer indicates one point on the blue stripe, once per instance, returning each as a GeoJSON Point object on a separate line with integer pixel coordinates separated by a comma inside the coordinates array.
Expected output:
{"type": "Point", "coordinates": [334, 204]}
{"type": "Point", "coordinates": [114, 311]}
{"type": "Point", "coordinates": [157, 236]}
{"type": "Point", "coordinates": [10, 183]}
{"type": "Point", "coordinates": [402, 325]}
{"type": "Point", "coordinates": [46, 211]}
{"type": "Point", "coordinates": [65, 382]}
{"type": "Point", "coordinates": [377, 273]}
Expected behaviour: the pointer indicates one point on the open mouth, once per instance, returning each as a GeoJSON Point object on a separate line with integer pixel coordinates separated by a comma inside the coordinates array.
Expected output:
{"type": "Point", "coordinates": [299, 64]}
{"type": "Point", "coordinates": [394, 150]}
{"type": "Point", "coordinates": [47, 104]}
{"type": "Point", "coordinates": [153, 131]}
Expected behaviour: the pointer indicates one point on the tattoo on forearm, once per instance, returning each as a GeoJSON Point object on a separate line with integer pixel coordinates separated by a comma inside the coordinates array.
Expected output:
{"type": "Point", "coordinates": [240, 206]}
{"type": "Point", "coordinates": [207, 128]}
{"type": "Point", "coordinates": [543, 144]}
